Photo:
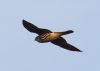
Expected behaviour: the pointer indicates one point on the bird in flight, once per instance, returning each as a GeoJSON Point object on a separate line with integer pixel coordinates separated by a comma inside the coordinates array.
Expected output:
{"type": "Point", "coordinates": [45, 35]}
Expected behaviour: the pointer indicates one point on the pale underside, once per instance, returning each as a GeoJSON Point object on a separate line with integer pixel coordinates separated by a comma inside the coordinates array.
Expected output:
{"type": "Point", "coordinates": [49, 36]}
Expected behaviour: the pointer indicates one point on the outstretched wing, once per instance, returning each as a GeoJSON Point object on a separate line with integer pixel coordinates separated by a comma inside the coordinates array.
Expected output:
{"type": "Point", "coordinates": [32, 28]}
{"type": "Point", "coordinates": [62, 43]}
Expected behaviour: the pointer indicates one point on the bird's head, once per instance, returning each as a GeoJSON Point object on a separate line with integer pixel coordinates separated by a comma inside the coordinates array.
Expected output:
{"type": "Point", "coordinates": [38, 39]}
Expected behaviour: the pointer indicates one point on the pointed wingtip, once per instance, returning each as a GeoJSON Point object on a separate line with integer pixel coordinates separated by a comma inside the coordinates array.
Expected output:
{"type": "Point", "coordinates": [23, 20]}
{"type": "Point", "coordinates": [79, 51]}
{"type": "Point", "coordinates": [25, 24]}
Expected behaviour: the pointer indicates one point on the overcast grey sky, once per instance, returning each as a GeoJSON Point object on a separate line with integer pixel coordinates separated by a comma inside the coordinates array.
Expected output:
{"type": "Point", "coordinates": [19, 51]}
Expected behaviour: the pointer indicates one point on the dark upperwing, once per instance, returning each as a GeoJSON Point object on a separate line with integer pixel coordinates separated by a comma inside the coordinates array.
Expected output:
{"type": "Point", "coordinates": [62, 43]}
{"type": "Point", "coordinates": [32, 28]}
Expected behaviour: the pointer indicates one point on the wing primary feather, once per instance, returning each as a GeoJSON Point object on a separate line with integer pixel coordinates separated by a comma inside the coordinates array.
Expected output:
{"type": "Point", "coordinates": [30, 27]}
{"type": "Point", "coordinates": [62, 43]}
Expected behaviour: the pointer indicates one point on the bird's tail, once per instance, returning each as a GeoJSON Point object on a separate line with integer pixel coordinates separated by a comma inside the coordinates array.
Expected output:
{"type": "Point", "coordinates": [67, 32]}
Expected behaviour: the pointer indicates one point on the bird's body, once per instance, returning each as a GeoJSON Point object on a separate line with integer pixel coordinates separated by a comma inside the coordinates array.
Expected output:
{"type": "Point", "coordinates": [48, 37]}
{"type": "Point", "coordinates": [45, 35]}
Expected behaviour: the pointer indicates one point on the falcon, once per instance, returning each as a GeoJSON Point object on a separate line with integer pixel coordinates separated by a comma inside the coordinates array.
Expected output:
{"type": "Point", "coordinates": [45, 35]}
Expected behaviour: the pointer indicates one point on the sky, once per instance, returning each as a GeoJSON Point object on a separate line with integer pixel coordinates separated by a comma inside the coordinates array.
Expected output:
{"type": "Point", "coordinates": [19, 51]}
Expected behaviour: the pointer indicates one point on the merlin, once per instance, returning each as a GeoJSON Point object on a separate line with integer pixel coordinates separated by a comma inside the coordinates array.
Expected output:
{"type": "Point", "coordinates": [45, 35]}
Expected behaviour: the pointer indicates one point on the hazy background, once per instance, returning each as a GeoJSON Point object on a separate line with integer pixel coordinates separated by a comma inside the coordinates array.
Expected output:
{"type": "Point", "coordinates": [19, 51]}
